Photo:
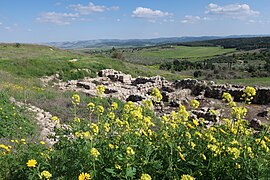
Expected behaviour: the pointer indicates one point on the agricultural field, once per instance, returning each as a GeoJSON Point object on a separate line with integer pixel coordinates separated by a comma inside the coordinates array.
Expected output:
{"type": "Point", "coordinates": [157, 55]}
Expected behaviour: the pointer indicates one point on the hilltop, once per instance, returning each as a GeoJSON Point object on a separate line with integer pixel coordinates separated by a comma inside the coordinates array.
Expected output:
{"type": "Point", "coordinates": [121, 43]}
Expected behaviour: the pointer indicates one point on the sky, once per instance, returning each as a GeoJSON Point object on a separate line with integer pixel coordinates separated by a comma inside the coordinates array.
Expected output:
{"type": "Point", "coordinates": [36, 21]}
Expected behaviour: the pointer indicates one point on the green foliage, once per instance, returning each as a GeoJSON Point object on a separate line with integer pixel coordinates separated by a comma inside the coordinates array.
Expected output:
{"type": "Point", "coordinates": [12, 121]}
{"type": "Point", "coordinates": [129, 141]}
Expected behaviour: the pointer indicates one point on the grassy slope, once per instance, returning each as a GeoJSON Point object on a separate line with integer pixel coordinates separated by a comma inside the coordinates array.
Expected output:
{"type": "Point", "coordinates": [32, 61]}
{"type": "Point", "coordinates": [156, 55]}
{"type": "Point", "coordinates": [20, 68]}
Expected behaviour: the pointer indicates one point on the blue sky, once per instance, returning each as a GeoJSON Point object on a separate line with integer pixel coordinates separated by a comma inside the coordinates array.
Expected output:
{"type": "Point", "coordinates": [36, 21]}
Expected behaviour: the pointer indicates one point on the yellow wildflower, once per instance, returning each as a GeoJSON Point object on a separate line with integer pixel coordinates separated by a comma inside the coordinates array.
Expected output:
{"type": "Point", "coordinates": [195, 122]}
{"type": "Point", "coordinates": [182, 156]}
{"type": "Point", "coordinates": [234, 151]}
{"type": "Point", "coordinates": [117, 166]}
{"type": "Point", "coordinates": [106, 127]}
{"type": "Point", "coordinates": [100, 90]}
{"type": "Point", "coordinates": [227, 97]}
{"type": "Point", "coordinates": [187, 177]}
{"type": "Point", "coordinates": [42, 142]}
{"type": "Point", "coordinates": [192, 145]}
{"type": "Point", "coordinates": [94, 152]}
{"type": "Point", "coordinates": [94, 128]}
{"type": "Point", "coordinates": [148, 104]}
{"type": "Point", "coordinates": [7, 148]}
{"type": "Point", "coordinates": [91, 106]}
{"type": "Point", "coordinates": [31, 163]}
{"type": "Point", "coordinates": [84, 176]}
{"type": "Point", "coordinates": [156, 95]}
{"type": "Point", "coordinates": [145, 177]}
{"type": "Point", "coordinates": [249, 92]}
{"type": "Point", "coordinates": [76, 99]}
{"type": "Point", "coordinates": [100, 109]}
{"type": "Point", "coordinates": [77, 120]}
{"type": "Point", "coordinates": [194, 103]}
{"type": "Point", "coordinates": [111, 146]}
{"type": "Point", "coordinates": [203, 156]}
{"type": "Point", "coordinates": [183, 113]}
{"type": "Point", "coordinates": [55, 119]}
{"type": "Point", "coordinates": [130, 151]}
{"type": "Point", "coordinates": [114, 105]}
{"type": "Point", "coordinates": [237, 166]}
{"type": "Point", "coordinates": [46, 174]}
{"type": "Point", "coordinates": [111, 115]}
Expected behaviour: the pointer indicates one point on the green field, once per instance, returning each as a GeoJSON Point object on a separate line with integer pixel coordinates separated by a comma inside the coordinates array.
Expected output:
{"type": "Point", "coordinates": [34, 61]}
{"type": "Point", "coordinates": [263, 81]}
{"type": "Point", "coordinates": [156, 55]}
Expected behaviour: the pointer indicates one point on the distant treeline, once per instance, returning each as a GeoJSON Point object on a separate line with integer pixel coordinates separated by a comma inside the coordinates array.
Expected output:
{"type": "Point", "coordinates": [238, 43]}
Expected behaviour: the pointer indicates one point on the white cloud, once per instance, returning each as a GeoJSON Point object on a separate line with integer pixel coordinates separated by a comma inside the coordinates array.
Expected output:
{"type": "Point", "coordinates": [189, 19]}
{"type": "Point", "coordinates": [58, 18]}
{"type": "Point", "coordinates": [236, 11]}
{"type": "Point", "coordinates": [141, 12]}
{"type": "Point", "coordinates": [91, 8]}
{"type": "Point", "coordinates": [8, 28]}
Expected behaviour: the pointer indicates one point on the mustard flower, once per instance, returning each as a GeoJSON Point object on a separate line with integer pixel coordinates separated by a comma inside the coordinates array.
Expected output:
{"type": "Point", "coordinates": [183, 113]}
{"type": "Point", "coordinates": [106, 127]}
{"type": "Point", "coordinates": [117, 166]}
{"type": "Point", "coordinates": [130, 151]}
{"type": "Point", "coordinates": [195, 122]}
{"type": "Point", "coordinates": [55, 119]}
{"type": "Point", "coordinates": [181, 156]}
{"type": "Point", "coordinates": [46, 174]}
{"type": "Point", "coordinates": [7, 148]}
{"type": "Point", "coordinates": [194, 103]}
{"type": "Point", "coordinates": [100, 90]}
{"type": "Point", "coordinates": [76, 99]}
{"type": "Point", "coordinates": [187, 177]}
{"type": "Point", "coordinates": [227, 97]}
{"type": "Point", "coordinates": [145, 177]}
{"type": "Point", "coordinates": [94, 152]}
{"type": "Point", "coordinates": [100, 109]}
{"type": "Point", "coordinates": [91, 106]}
{"type": "Point", "coordinates": [148, 104]}
{"type": "Point", "coordinates": [156, 95]}
{"type": "Point", "coordinates": [94, 128]}
{"type": "Point", "coordinates": [249, 91]}
{"type": "Point", "coordinates": [77, 120]}
{"type": "Point", "coordinates": [111, 115]}
{"type": "Point", "coordinates": [203, 156]}
{"type": "Point", "coordinates": [235, 152]}
{"type": "Point", "coordinates": [84, 176]}
{"type": "Point", "coordinates": [111, 146]}
{"type": "Point", "coordinates": [114, 105]}
{"type": "Point", "coordinates": [31, 163]}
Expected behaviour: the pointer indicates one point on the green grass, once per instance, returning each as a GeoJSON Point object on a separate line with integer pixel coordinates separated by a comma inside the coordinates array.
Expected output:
{"type": "Point", "coordinates": [13, 121]}
{"type": "Point", "coordinates": [157, 55]}
{"type": "Point", "coordinates": [34, 61]}
{"type": "Point", "coordinates": [264, 81]}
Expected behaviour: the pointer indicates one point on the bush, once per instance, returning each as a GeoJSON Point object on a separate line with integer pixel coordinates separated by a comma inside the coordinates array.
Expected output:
{"type": "Point", "coordinates": [197, 74]}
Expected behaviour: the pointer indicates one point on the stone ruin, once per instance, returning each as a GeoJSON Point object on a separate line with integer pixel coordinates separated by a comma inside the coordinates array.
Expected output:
{"type": "Point", "coordinates": [124, 87]}
{"type": "Point", "coordinates": [213, 90]}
